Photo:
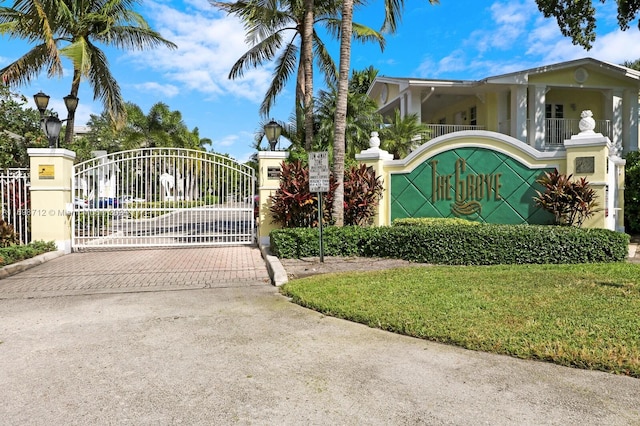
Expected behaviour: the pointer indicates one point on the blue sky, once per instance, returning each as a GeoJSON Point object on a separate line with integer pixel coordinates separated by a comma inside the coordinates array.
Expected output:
{"type": "Point", "coordinates": [459, 39]}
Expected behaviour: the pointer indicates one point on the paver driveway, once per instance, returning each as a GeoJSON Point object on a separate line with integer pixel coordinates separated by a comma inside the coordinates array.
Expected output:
{"type": "Point", "coordinates": [139, 270]}
{"type": "Point", "coordinates": [85, 342]}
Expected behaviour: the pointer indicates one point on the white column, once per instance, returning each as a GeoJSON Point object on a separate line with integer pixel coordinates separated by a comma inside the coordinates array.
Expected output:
{"type": "Point", "coordinates": [617, 121]}
{"type": "Point", "coordinates": [414, 104]}
{"type": "Point", "coordinates": [502, 113]}
{"type": "Point", "coordinates": [519, 113]}
{"type": "Point", "coordinates": [537, 128]}
{"type": "Point", "coordinates": [630, 129]}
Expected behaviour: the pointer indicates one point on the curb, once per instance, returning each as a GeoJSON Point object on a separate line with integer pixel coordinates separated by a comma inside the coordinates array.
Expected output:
{"type": "Point", "coordinates": [23, 265]}
{"type": "Point", "coordinates": [275, 269]}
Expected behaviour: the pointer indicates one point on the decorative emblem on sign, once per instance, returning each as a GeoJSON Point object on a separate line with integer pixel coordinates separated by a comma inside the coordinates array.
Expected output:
{"type": "Point", "coordinates": [460, 208]}
{"type": "Point", "coordinates": [467, 190]}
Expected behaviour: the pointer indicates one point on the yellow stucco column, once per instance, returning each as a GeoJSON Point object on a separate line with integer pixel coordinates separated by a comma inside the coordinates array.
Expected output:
{"type": "Point", "coordinates": [588, 157]}
{"type": "Point", "coordinates": [269, 167]}
{"type": "Point", "coordinates": [51, 198]}
{"type": "Point", "coordinates": [375, 157]}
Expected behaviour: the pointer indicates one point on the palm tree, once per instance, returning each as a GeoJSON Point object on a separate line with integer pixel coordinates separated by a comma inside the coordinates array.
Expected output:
{"type": "Point", "coordinates": [361, 80]}
{"type": "Point", "coordinates": [71, 29]}
{"type": "Point", "coordinates": [393, 11]}
{"type": "Point", "coordinates": [161, 127]}
{"type": "Point", "coordinates": [399, 134]}
{"type": "Point", "coordinates": [273, 29]}
{"type": "Point", "coordinates": [362, 118]}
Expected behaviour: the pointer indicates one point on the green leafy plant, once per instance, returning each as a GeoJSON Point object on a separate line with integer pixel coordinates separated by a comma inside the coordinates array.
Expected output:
{"type": "Point", "coordinates": [293, 206]}
{"type": "Point", "coordinates": [8, 236]}
{"type": "Point", "coordinates": [632, 193]}
{"type": "Point", "coordinates": [16, 253]}
{"type": "Point", "coordinates": [447, 243]}
{"type": "Point", "coordinates": [362, 190]}
{"type": "Point", "coordinates": [570, 201]}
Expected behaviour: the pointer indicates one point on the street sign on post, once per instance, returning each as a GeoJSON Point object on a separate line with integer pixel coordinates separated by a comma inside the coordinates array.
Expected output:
{"type": "Point", "coordinates": [319, 171]}
{"type": "Point", "coordinates": [319, 182]}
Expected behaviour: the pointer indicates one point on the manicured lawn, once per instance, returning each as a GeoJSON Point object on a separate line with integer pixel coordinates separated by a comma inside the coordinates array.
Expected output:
{"type": "Point", "coordinates": [585, 316]}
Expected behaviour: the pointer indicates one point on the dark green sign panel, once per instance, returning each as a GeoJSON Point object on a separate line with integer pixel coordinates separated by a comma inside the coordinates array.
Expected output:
{"type": "Point", "coordinates": [471, 183]}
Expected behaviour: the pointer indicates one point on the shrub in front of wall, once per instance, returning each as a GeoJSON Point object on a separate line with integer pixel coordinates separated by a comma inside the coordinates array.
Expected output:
{"type": "Point", "coordinates": [416, 221]}
{"type": "Point", "coordinates": [489, 244]}
{"type": "Point", "coordinates": [456, 244]}
{"type": "Point", "coordinates": [294, 243]}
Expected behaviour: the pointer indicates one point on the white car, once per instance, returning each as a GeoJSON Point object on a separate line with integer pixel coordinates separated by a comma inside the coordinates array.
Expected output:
{"type": "Point", "coordinates": [80, 203]}
{"type": "Point", "coordinates": [128, 199]}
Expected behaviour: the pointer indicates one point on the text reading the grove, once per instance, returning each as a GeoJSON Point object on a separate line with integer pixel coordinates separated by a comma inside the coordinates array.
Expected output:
{"type": "Point", "coordinates": [461, 187]}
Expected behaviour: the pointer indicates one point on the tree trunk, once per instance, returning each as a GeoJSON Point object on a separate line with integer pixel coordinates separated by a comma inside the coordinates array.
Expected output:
{"type": "Point", "coordinates": [71, 117]}
{"type": "Point", "coordinates": [341, 111]}
{"type": "Point", "coordinates": [307, 54]}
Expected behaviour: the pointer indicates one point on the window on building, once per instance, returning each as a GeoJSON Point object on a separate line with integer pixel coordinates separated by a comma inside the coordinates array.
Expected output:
{"type": "Point", "coordinates": [473, 116]}
{"type": "Point", "coordinates": [554, 111]}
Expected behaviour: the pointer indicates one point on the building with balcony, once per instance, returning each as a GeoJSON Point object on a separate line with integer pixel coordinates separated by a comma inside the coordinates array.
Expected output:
{"type": "Point", "coordinates": [540, 107]}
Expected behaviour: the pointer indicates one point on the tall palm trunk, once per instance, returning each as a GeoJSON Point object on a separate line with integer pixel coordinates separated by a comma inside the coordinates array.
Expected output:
{"type": "Point", "coordinates": [341, 111]}
{"type": "Point", "coordinates": [307, 55]}
{"type": "Point", "coordinates": [71, 117]}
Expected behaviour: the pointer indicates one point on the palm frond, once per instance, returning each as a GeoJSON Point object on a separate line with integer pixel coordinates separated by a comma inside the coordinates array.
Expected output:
{"type": "Point", "coordinates": [285, 66]}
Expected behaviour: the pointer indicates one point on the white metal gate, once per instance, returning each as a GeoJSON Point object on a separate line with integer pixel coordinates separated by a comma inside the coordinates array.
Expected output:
{"type": "Point", "coordinates": [162, 197]}
{"type": "Point", "coordinates": [14, 193]}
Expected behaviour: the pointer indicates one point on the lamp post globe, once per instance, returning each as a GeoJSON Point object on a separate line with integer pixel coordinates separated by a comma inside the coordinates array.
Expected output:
{"type": "Point", "coordinates": [42, 101]}
{"type": "Point", "coordinates": [51, 125]}
{"type": "Point", "coordinates": [272, 131]}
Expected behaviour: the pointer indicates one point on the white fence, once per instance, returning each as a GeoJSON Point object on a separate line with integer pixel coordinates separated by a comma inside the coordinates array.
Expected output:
{"type": "Point", "coordinates": [14, 192]}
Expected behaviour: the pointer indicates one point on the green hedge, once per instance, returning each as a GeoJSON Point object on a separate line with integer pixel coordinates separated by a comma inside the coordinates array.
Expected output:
{"type": "Point", "coordinates": [458, 244]}
{"type": "Point", "coordinates": [13, 254]}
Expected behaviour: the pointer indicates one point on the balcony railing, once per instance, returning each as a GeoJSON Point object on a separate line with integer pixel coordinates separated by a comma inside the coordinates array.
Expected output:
{"type": "Point", "coordinates": [560, 129]}
{"type": "Point", "coordinates": [435, 130]}
{"type": "Point", "coordinates": [557, 130]}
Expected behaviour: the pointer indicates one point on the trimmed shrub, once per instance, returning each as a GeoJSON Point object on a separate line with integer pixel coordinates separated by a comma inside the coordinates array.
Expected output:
{"type": "Point", "coordinates": [16, 253]}
{"type": "Point", "coordinates": [417, 221]}
{"type": "Point", "coordinates": [459, 244]}
{"type": "Point", "coordinates": [632, 193]}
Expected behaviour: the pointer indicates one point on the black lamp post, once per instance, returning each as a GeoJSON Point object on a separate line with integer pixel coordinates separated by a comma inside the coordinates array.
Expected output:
{"type": "Point", "coordinates": [52, 124]}
{"type": "Point", "coordinates": [272, 131]}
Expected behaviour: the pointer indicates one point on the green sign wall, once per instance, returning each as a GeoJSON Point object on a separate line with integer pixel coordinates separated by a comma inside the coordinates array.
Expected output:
{"type": "Point", "coordinates": [471, 183]}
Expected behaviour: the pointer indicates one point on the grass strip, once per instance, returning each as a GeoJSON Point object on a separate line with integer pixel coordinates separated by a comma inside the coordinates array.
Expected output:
{"type": "Point", "coordinates": [585, 316]}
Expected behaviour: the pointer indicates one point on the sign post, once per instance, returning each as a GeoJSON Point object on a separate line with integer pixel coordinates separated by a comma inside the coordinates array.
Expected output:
{"type": "Point", "coordinates": [319, 183]}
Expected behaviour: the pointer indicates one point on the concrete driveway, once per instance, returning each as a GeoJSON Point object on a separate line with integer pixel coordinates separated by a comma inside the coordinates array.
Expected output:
{"type": "Point", "coordinates": [234, 351]}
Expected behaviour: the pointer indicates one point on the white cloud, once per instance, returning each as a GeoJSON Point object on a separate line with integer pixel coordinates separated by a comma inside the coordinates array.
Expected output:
{"type": "Point", "coordinates": [456, 61]}
{"type": "Point", "coordinates": [208, 46]}
{"type": "Point", "coordinates": [166, 90]}
{"type": "Point", "coordinates": [506, 25]}
{"type": "Point", "coordinates": [241, 142]}
{"type": "Point", "coordinates": [617, 46]}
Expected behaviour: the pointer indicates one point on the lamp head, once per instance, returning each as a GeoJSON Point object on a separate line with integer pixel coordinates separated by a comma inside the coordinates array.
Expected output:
{"type": "Point", "coordinates": [42, 101]}
{"type": "Point", "coordinates": [52, 126]}
{"type": "Point", "coordinates": [272, 131]}
{"type": "Point", "coordinates": [71, 102]}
